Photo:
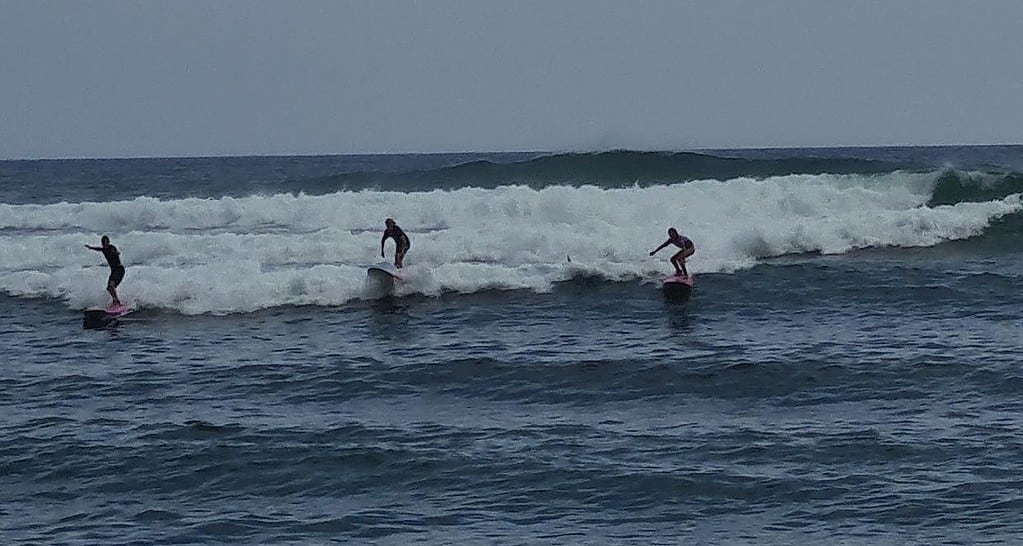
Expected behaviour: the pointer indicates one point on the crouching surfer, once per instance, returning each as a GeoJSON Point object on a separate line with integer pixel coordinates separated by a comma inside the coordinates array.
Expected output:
{"type": "Point", "coordinates": [679, 258]}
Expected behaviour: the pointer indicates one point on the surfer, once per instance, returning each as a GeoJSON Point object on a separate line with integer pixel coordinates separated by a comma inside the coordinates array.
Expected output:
{"type": "Point", "coordinates": [401, 242]}
{"type": "Point", "coordinates": [679, 259]}
{"type": "Point", "coordinates": [116, 269]}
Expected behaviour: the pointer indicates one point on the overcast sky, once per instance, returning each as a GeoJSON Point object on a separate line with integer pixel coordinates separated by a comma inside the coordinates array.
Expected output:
{"type": "Point", "coordinates": [111, 78]}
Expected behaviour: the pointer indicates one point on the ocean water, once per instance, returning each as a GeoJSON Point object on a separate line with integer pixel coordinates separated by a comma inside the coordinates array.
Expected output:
{"type": "Point", "coordinates": [846, 370]}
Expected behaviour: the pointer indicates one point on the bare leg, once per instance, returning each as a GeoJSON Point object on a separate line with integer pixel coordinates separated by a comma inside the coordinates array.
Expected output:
{"type": "Point", "coordinates": [113, 294]}
{"type": "Point", "coordinates": [679, 260]}
{"type": "Point", "coordinates": [680, 263]}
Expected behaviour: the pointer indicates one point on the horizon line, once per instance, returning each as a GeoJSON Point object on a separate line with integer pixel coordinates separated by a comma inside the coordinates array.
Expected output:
{"type": "Point", "coordinates": [495, 152]}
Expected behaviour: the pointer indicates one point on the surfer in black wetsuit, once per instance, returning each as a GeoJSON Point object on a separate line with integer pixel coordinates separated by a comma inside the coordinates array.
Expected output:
{"type": "Point", "coordinates": [679, 259]}
{"type": "Point", "coordinates": [401, 242]}
{"type": "Point", "coordinates": [116, 269]}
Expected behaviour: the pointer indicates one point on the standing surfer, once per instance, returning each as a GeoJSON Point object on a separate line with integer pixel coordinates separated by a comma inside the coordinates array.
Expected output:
{"type": "Point", "coordinates": [116, 269]}
{"type": "Point", "coordinates": [679, 259]}
{"type": "Point", "coordinates": [401, 242]}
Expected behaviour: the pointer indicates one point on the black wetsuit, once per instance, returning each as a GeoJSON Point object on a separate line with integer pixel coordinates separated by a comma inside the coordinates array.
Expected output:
{"type": "Point", "coordinates": [116, 269]}
{"type": "Point", "coordinates": [400, 239]}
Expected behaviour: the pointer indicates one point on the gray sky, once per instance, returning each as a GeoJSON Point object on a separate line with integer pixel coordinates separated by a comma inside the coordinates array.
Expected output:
{"type": "Point", "coordinates": [134, 78]}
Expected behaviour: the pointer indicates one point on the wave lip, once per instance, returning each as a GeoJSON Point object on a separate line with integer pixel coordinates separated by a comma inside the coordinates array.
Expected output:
{"type": "Point", "coordinates": [954, 186]}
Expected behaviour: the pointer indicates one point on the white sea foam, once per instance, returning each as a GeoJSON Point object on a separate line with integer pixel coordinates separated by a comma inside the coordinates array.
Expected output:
{"type": "Point", "coordinates": [241, 254]}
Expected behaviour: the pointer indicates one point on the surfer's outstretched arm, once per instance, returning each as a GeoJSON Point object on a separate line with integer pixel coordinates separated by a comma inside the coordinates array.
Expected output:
{"type": "Point", "coordinates": [664, 244]}
{"type": "Point", "coordinates": [94, 248]}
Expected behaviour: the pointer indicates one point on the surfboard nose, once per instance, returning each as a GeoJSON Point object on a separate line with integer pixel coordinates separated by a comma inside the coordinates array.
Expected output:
{"type": "Point", "coordinates": [677, 288]}
{"type": "Point", "coordinates": [97, 318]}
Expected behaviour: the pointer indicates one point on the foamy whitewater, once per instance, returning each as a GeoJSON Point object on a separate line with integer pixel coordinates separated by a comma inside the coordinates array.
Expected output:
{"type": "Point", "coordinates": [230, 255]}
{"type": "Point", "coordinates": [845, 371]}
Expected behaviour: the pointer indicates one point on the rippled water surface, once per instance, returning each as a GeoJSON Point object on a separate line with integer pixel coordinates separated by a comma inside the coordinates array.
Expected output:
{"type": "Point", "coordinates": [872, 397]}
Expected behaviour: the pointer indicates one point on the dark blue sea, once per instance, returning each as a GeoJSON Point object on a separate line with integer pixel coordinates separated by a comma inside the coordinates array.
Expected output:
{"type": "Point", "coordinates": [847, 369]}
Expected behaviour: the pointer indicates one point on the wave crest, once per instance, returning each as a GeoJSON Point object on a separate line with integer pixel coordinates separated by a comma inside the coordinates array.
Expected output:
{"type": "Point", "coordinates": [226, 255]}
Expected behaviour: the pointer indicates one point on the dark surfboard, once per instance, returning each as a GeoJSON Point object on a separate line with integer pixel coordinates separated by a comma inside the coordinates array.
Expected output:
{"type": "Point", "coordinates": [677, 287]}
{"type": "Point", "coordinates": [101, 317]}
{"type": "Point", "coordinates": [381, 274]}
{"type": "Point", "coordinates": [380, 282]}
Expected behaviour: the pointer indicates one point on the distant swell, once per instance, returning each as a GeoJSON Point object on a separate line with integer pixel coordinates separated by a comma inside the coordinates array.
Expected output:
{"type": "Point", "coordinates": [613, 169]}
{"type": "Point", "coordinates": [76, 180]}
